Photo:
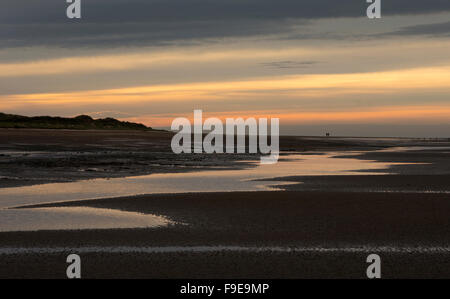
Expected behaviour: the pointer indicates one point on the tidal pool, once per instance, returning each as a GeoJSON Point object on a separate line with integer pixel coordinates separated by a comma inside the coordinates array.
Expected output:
{"type": "Point", "coordinates": [11, 219]}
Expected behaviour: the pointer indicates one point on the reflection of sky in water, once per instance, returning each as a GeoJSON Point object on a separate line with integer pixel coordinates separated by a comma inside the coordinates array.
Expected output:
{"type": "Point", "coordinates": [67, 218]}
{"type": "Point", "coordinates": [200, 181]}
{"type": "Point", "coordinates": [414, 148]}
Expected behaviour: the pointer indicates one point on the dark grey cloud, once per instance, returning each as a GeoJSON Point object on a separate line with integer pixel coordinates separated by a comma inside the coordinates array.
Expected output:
{"type": "Point", "coordinates": [134, 33]}
{"type": "Point", "coordinates": [134, 22]}
{"type": "Point", "coordinates": [49, 11]}
{"type": "Point", "coordinates": [438, 29]}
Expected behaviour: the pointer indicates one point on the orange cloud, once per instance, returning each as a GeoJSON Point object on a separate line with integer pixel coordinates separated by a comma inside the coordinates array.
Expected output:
{"type": "Point", "coordinates": [324, 85]}
{"type": "Point", "coordinates": [120, 62]}
{"type": "Point", "coordinates": [429, 114]}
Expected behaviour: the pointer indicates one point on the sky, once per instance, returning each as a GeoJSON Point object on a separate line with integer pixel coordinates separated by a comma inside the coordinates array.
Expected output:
{"type": "Point", "coordinates": [318, 65]}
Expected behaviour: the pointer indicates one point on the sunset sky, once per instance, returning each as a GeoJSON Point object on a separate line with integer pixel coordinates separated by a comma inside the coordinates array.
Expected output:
{"type": "Point", "coordinates": [319, 65]}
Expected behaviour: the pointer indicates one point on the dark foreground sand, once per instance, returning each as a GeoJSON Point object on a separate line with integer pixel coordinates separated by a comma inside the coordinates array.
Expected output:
{"type": "Point", "coordinates": [416, 223]}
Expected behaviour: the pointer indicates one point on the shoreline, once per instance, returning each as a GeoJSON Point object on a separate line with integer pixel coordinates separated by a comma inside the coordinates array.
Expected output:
{"type": "Point", "coordinates": [38, 156]}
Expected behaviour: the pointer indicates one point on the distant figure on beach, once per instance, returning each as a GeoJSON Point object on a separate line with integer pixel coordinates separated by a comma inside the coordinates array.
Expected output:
{"type": "Point", "coordinates": [328, 134]}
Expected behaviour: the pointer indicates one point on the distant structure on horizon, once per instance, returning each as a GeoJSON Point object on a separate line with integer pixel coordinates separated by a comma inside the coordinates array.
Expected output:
{"type": "Point", "coordinates": [328, 134]}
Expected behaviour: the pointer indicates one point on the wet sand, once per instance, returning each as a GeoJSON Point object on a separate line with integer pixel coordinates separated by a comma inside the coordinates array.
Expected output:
{"type": "Point", "coordinates": [370, 183]}
{"type": "Point", "coordinates": [37, 156]}
{"type": "Point", "coordinates": [418, 223]}
{"type": "Point", "coordinates": [223, 265]}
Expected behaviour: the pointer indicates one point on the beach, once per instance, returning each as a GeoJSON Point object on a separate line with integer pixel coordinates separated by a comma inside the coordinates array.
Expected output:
{"type": "Point", "coordinates": [332, 232]}
{"type": "Point", "coordinates": [295, 226]}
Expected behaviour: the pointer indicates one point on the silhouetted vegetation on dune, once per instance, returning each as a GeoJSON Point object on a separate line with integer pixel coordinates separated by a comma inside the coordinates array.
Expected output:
{"type": "Point", "coordinates": [82, 122]}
